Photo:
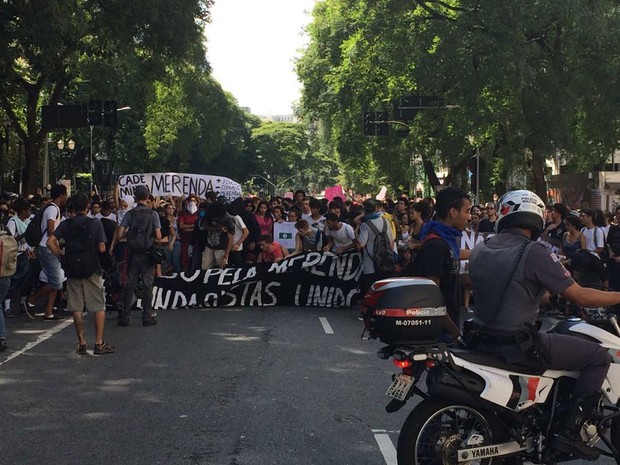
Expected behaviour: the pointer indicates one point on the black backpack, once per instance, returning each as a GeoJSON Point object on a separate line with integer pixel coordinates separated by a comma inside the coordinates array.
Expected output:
{"type": "Point", "coordinates": [140, 234]}
{"type": "Point", "coordinates": [33, 234]}
{"type": "Point", "coordinates": [81, 259]}
{"type": "Point", "coordinates": [383, 255]}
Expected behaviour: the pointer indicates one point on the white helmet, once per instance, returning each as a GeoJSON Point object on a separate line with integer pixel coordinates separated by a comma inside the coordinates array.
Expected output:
{"type": "Point", "coordinates": [521, 209]}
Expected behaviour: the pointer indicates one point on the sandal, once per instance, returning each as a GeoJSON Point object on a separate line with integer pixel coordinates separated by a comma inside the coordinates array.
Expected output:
{"type": "Point", "coordinates": [103, 348]}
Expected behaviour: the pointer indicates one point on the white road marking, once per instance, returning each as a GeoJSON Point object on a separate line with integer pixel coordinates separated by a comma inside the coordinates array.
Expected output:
{"type": "Point", "coordinates": [386, 446]}
{"type": "Point", "coordinates": [40, 339]}
{"type": "Point", "coordinates": [326, 326]}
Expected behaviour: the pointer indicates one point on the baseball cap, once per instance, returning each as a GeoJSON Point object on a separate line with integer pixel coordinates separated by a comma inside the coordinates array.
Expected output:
{"type": "Point", "coordinates": [141, 192]}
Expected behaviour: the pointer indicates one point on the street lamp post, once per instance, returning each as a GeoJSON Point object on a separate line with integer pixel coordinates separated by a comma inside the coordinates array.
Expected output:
{"type": "Point", "coordinates": [66, 154]}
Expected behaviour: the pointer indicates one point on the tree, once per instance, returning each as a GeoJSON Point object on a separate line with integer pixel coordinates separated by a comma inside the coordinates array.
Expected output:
{"type": "Point", "coordinates": [519, 78]}
{"type": "Point", "coordinates": [45, 45]}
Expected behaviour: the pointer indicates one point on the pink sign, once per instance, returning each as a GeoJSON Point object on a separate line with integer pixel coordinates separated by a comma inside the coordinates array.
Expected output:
{"type": "Point", "coordinates": [334, 191]}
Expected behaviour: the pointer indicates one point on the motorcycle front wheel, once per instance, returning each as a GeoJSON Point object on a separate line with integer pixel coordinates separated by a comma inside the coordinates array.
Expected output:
{"type": "Point", "coordinates": [437, 428]}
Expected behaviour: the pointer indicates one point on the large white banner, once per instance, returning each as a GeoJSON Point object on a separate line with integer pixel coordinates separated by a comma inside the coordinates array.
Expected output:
{"type": "Point", "coordinates": [178, 184]}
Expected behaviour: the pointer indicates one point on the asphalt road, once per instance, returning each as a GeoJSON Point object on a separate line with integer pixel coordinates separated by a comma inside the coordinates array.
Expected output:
{"type": "Point", "coordinates": [285, 386]}
{"type": "Point", "coordinates": [215, 386]}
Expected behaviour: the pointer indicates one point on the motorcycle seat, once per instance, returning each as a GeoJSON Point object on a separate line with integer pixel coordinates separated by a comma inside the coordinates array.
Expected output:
{"type": "Point", "coordinates": [496, 361]}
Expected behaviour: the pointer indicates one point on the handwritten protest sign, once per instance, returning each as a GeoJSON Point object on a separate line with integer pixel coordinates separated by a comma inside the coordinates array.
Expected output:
{"type": "Point", "coordinates": [178, 184]}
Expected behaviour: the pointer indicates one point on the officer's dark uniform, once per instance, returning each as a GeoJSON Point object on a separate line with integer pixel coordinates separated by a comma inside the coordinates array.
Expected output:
{"type": "Point", "coordinates": [504, 330]}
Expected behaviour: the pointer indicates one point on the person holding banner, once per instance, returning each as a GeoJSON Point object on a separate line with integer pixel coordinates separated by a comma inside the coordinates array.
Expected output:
{"type": "Point", "coordinates": [271, 252]}
{"type": "Point", "coordinates": [308, 238]}
{"type": "Point", "coordinates": [339, 236]}
{"type": "Point", "coordinates": [220, 230]}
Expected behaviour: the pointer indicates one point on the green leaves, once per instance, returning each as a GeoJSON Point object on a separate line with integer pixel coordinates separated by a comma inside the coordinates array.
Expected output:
{"type": "Point", "coordinates": [520, 76]}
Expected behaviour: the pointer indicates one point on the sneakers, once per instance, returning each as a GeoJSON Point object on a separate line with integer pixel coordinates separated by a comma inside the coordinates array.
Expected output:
{"type": "Point", "coordinates": [3, 345]}
{"type": "Point", "coordinates": [123, 323]}
{"type": "Point", "coordinates": [81, 349]}
{"type": "Point", "coordinates": [53, 317]}
{"type": "Point", "coordinates": [103, 348]}
{"type": "Point", "coordinates": [150, 322]}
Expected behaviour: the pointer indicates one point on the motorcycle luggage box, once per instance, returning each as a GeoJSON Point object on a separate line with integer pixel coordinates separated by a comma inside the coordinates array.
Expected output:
{"type": "Point", "coordinates": [405, 311]}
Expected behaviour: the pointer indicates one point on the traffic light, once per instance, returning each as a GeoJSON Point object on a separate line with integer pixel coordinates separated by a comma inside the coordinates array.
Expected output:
{"type": "Point", "coordinates": [94, 113]}
{"type": "Point", "coordinates": [370, 127]}
{"type": "Point", "coordinates": [382, 124]}
{"type": "Point", "coordinates": [110, 113]}
{"type": "Point", "coordinates": [63, 116]}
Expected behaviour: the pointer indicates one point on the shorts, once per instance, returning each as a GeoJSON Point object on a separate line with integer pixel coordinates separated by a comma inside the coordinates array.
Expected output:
{"type": "Point", "coordinates": [87, 294]}
{"type": "Point", "coordinates": [50, 264]}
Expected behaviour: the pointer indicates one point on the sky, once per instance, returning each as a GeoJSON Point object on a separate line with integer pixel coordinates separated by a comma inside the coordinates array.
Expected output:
{"type": "Point", "coordinates": [251, 45]}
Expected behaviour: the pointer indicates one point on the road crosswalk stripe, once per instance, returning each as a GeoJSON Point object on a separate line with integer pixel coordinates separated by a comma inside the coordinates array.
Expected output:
{"type": "Point", "coordinates": [326, 326]}
{"type": "Point", "coordinates": [39, 340]}
{"type": "Point", "coordinates": [385, 445]}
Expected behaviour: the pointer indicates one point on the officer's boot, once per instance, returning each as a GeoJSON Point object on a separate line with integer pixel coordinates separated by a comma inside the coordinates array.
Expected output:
{"type": "Point", "coordinates": [569, 440]}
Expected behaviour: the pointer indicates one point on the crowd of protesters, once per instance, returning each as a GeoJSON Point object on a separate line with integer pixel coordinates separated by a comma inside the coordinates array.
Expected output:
{"type": "Point", "coordinates": [202, 233]}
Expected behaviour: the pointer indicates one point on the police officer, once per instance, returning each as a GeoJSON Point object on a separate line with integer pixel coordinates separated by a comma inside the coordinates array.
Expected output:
{"type": "Point", "coordinates": [511, 274]}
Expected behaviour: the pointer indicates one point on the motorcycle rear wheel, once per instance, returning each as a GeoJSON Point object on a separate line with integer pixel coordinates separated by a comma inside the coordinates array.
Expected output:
{"type": "Point", "coordinates": [437, 428]}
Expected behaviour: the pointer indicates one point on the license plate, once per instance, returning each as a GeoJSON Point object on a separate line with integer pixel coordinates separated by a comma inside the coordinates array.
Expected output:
{"type": "Point", "coordinates": [400, 387]}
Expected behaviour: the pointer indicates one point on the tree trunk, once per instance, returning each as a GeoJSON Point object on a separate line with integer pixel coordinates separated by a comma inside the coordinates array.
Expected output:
{"type": "Point", "coordinates": [537, 170]}
{"type": "Point", "coordinates": [32, 168]}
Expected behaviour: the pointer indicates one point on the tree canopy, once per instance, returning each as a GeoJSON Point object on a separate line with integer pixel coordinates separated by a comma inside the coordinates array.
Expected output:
{"type": "Point", "coordinates": [517, 79]}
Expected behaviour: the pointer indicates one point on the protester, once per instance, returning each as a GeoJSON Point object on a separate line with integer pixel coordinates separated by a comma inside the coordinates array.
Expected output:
{"type": "Point", "coordinates": [220, 230]}
{"type": "Point", "coordinates": [85, 286]}
{"type": "Point", "coordinates": [250, 245]}
{"type": "Point", "coordinates": [16, 226]}
{"type": "Point", "coordinates": [141, 226]}
{"type": "Point", "coordinates": [573, 239]}
{"type": "Point", "coordinates": [50, 263]}
{"type": "Point", "coordinates": [317, 220]}
{"type": "Point", "coordinates": [371, 225]}
{"type": "Point", "coordinates": [488, 223]}
{"type": "Point", "coordinates": [339, 236]}
{"type": "Point", "coordinates": [271, 251]}
{"type": "Point", "coordinates": [166, 244]}
{"type": "Point", "coordinates": [186, 220]}
{"type": "Point", "coordinates": [556, 228]}
{"type": "Point", "coordinates": [235, 258]}
{"type": "Point", "coordinates": [308, 238]}
{"type": "Point", "coordinates": [264, 218]}
{"type": "Point", "coordinates": [438, 258]}
{"type": "Point", "coordinates": [595, 239]}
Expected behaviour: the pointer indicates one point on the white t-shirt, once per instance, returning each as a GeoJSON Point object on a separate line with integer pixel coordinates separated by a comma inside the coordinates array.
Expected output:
{"type": "Point", "coordinates": [307, 217]}
{"type": "Point", "coordinates": [343, 237]}
{"type": "Point", "coordinates": [319, 224]}
{"type": "Point", "coordinates": [595, 238]}
{"type": "Point", "coordinates": [111, 216]}
{"type": "Point", "coordinates": [52, 212]}
{"type": "Point", "coordinates": [239, 227]}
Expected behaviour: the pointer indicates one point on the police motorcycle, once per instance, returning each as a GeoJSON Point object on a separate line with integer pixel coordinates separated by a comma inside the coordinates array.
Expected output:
{"type": "Point", "coordinates": [474, 407]}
